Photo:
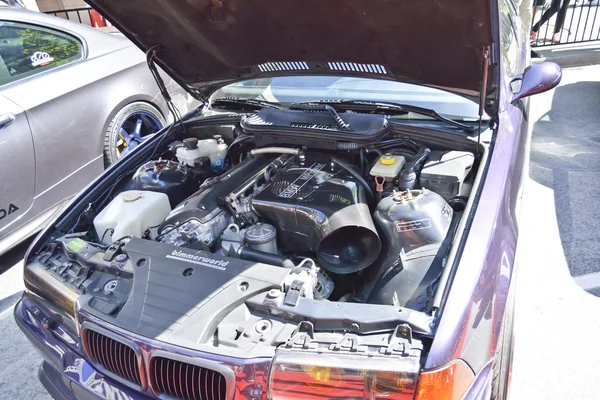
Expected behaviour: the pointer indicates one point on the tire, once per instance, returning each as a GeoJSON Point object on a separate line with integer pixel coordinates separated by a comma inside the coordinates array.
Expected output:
{"type": "Point", "coordinates": [116, 144]}
{"type": "Point", "coordinates": [504, 349]}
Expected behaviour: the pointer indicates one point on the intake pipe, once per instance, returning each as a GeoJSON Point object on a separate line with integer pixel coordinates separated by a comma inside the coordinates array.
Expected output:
{"type": "Point", "coordinates": [324, 212]}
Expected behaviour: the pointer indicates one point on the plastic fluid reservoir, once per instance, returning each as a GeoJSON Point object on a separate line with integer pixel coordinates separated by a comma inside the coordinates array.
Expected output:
{"type": "Point", "coordinates": [388, 166]}
{"type": "Point", "coordinates": [132, 213]}
{"type": "Point", "coordinates": [193, 151]}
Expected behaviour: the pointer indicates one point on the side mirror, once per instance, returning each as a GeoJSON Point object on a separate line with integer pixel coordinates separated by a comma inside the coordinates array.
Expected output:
{"type": "Point", "coordinates": [537, 78]}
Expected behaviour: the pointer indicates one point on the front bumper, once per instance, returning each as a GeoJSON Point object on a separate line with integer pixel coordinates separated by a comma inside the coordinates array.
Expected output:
{"type": "Point", "coordinates": [65, 373]}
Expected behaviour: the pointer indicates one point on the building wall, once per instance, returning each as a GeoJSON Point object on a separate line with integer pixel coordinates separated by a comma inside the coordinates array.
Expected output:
{"type": "Point", "coordinates": [49, 5]}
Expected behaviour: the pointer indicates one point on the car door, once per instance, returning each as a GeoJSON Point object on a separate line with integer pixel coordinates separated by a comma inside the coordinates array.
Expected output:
{"type": "Point", "coordinates": [28, 54]}
{"type": "Point", "coordinates": [17, 165]}
{"type": "Point", "coordinates": [41, 62]}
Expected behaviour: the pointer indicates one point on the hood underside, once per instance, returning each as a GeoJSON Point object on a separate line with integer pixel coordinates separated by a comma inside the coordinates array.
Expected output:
{"type": "Point", "coordinates": [209, 43]}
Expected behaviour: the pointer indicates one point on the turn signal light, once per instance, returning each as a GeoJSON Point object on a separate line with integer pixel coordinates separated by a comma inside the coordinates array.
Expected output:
{"type": "Point", "coordinates": [447, 383]}
{"type": "Point", "coordinates": [311, 376]}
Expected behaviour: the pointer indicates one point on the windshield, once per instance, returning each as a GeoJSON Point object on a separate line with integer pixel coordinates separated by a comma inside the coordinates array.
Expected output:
{"type": "Point", "coordinates": [295, 89]}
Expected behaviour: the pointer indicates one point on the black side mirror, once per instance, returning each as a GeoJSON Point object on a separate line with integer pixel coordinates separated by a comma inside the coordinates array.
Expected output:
{"type": "Point", "coordinates": [537, 78]}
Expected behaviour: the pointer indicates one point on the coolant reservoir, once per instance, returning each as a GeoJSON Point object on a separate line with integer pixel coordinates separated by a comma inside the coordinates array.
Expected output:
{"type": "Point", "coordinates": [194, 151]}
{"type": "Point", "coordinates": [132, 213]}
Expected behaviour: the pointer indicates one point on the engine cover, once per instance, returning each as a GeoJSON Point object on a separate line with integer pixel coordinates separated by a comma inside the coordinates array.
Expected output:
{"type": "Point", "coordinates": [322, 210]}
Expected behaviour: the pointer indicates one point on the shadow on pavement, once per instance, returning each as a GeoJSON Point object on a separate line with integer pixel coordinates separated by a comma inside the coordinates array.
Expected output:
{"type": "Point", "coordinates": [14, 256]}
{"type": "Point", "coordinates": [10, 301]}
{"type": "Point", "coordinates": [565, 156]}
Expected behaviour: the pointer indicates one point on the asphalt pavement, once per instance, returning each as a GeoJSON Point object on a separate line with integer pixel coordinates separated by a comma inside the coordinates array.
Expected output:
{"type": "Point", "coordinates": [565, 157]}
{"type": "Point", "coordinates": [19, 361]}
{"type": "Point", "coordinates": [556, 349]}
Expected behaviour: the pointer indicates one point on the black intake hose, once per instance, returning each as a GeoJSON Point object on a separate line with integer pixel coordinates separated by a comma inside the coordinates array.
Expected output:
{"type": "Point", "coordinates": [250, 254]}
{"type": "Point", "coordinates": [356, 176]}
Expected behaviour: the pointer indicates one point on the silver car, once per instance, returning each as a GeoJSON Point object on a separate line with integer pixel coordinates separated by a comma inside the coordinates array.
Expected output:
{"type": "Point", "coordinates": [73, 100]}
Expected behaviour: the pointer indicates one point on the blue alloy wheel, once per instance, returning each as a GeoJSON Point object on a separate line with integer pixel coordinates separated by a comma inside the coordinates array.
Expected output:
{"type": "Point", "coordinates": [136, 128]}
{"type": "Point", "coordinates": [129, 127]}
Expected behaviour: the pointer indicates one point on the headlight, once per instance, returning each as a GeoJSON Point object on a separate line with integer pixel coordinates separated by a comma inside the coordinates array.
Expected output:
{"type": "Point", "coordinates": [40, 282]}
{"type": "Point", "coordinates": [303, 375]}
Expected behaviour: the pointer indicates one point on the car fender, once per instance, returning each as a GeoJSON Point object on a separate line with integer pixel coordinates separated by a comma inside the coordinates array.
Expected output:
{"type": "Point", "coordinates": [472, 312]}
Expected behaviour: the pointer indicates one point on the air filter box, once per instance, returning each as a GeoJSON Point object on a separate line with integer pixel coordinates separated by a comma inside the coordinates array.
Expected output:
{"type": "Point", "coordinates": [444, 173]}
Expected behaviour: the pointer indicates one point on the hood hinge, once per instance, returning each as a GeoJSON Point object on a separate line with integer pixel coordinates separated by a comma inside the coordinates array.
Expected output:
{"type": "Point", "coordinates": [485, 56]}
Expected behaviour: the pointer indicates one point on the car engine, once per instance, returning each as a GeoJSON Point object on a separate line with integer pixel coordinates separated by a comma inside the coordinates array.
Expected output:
{"type": "Point", "coordinates": [352, 230]}
{"type": "Point", "coordinates": [242, 237]}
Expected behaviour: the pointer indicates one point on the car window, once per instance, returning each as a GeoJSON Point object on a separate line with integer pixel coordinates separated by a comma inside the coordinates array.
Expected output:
{"type": "Point", "coordinates": [27, 50]}
{"type": "Point", "coordinates": [509, 37]}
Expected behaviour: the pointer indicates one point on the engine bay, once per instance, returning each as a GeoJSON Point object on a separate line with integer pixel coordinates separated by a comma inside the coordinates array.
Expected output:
{"type": "Point", "coordinates": [244, 233]}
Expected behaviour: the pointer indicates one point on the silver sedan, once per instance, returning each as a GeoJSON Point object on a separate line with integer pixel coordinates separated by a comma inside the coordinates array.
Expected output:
{"type": "Point", "coordinates": [73, 100]}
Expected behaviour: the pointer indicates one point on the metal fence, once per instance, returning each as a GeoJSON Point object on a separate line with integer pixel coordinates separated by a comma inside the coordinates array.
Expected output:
{"type": "Point", "coordinates": [85, 15]}
{"type": "Point", "coordinates": [565, 21]}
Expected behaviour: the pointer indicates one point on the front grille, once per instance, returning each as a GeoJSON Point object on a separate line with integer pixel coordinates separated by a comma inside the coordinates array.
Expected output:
{"type": "Point", "coordinates": [113, 356]}
{"type": "Point", "coordinates": [186, 381]}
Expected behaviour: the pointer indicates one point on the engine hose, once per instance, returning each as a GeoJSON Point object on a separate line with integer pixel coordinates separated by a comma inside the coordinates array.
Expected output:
{"type": "Point", "coordinates": [275, 150]}
{"type": "Point", "coordinates": [407, 143]}
{"type": "Point", "coordinates": [362, 162]}
{"type": "Point", "coordinates": [408, 176]}
{"type": "Point", "coordinates": [267, 175]}
{"type": "Point", "coordinates": [418, 160]}
{"type": "Point", "coordinates": [250, 254]}
{"type": "Point", "coordinates": [359, 178]}
{"type": "Point", "coordinates": [374, 150]}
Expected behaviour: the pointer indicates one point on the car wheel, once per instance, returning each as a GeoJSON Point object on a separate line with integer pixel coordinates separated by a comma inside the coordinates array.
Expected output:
{"type": "Point", "coordinates": [133, 124]}
{"type": "Point", "coordinates": [504, 349]}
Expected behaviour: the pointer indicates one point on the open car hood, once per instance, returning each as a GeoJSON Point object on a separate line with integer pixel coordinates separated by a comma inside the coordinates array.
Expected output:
{"type": "Point", "coordinates": [207, 44]}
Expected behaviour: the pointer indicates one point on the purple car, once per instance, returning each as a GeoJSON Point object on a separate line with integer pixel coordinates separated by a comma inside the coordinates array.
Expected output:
{"type": "Point", "coordinates": [338, 220]}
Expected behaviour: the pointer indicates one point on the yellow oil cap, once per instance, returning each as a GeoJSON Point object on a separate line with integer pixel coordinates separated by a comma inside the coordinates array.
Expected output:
{"type": "Point", "coordinates": [388, 159]}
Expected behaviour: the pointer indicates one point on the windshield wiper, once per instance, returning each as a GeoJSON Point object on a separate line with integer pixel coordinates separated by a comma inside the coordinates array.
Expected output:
{"type": "Point", "coordinates": [243, 104]}
{"type": "Point", "coordinates": [389, 109]}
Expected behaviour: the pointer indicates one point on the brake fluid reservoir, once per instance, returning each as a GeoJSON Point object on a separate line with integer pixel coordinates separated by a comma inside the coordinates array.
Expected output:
{"type": "Point", "coordinates": [132, 213]}
{"type": "Point", "coordinates": [388, 166]}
